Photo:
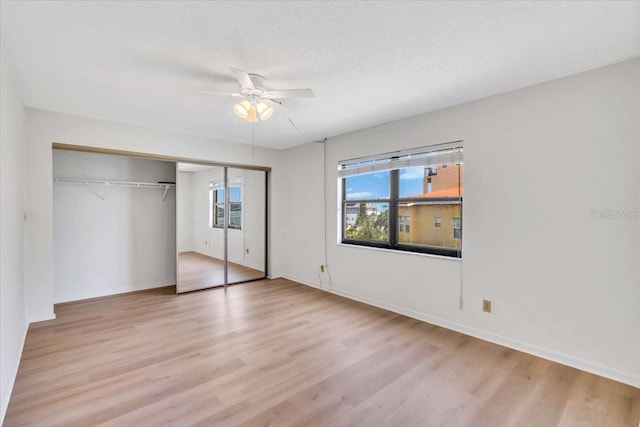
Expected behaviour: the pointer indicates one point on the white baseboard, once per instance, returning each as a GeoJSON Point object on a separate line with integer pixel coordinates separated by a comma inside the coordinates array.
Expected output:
{"type": "Point", "coordinates": [307, 282]}
{"type": "Point", "coordinates": [115, 291]}
{"type": "Point", "coordinates": [564, 359]}
{"type": "Point", "coordinates": [250, 265]}
{"type": "Point", "coordinates": [6, 394]}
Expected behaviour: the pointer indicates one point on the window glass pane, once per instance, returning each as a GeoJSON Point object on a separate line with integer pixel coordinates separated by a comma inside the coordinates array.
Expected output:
{"type": "Point", "coordinates": [367, 221]}
{"type": "Point", "coordinates": [412, 181]}
{"type": "Point", "coordinates": [219, 208]}
{"type": "Point", "coordinates": [235, 214]}
{"type": "Point", "coordinates": [235, 207]}
{"type": "Point", "coordinates": [404, 225]}
{"type": "Point", "coordinates": [367, 186]}
{"type": "Point", "coordinates": [457, 228]}
{"type": "Point", "coordinates": [423, 215]}
{"type": "Point", "coordinates": [235, 194]}
{"type": "Point", "coordinates": [434, 182]}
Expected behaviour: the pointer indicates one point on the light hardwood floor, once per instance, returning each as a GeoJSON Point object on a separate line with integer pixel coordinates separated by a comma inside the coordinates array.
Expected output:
{"type": "Point", "coordinates": [197, 271]}
{"type": "Point", "coordinates": [277, 353]}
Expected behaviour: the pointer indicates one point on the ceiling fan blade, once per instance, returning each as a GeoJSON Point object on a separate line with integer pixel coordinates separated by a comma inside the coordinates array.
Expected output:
{"type": "Point", "coordinates": [209, 92]}
{"type": "Point", "coordinates": [282, 110]}
{"type": "Point", "coordinates": [243, 78]}
{"type": "Point", "coordinates": [293, 124]}
{"type": "Point", "coordinates": [288, 93]}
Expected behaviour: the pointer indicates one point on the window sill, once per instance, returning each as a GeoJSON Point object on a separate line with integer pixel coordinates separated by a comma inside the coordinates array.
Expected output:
{"type": "Point", "coordinates": [397, 251]}
{"type": "Point", "coordinates": [222, 228]}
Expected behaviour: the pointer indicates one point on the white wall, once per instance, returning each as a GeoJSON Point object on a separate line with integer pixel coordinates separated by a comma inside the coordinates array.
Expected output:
{"type": "Point", "coordinates": [44, 127]}
{"type": "Point", "coordinates": [123, 243]}
{"type": "Point", "coordinates": [538, 160]}
{"type": "Point", "coordinates": [210, 241]}
{"type": "Point", "coordinates": [184, 193]}
{"type": "Point", "coordinates": [13, 316]}
{"type": "Point", "coordinates": [297, 212]}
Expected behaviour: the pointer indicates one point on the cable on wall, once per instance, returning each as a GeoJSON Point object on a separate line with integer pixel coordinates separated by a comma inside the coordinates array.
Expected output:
{"type": "Point", "coordinates": [322, 141]}
{"type": "Point", "coordinates": [324, 187]}
{"type": "Point", "coordinates": [324, 192]}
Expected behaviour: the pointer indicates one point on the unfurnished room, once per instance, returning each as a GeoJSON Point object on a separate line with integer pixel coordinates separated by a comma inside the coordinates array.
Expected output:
{"type": "Point", "coordinates": [320, 213]}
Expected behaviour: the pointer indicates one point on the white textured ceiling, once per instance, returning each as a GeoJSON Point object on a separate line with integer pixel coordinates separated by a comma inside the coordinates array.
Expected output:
{"type": "Point", "coordinates": [367, 62]}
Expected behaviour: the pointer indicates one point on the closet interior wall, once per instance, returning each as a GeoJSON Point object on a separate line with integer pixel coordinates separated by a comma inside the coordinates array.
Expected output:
{"type": "Point", "coordinates": [110, 239]}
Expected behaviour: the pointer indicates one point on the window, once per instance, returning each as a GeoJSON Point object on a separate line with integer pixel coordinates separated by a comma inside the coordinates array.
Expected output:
{"type": "Point", "coordinates": [457, 228]}
{"type": "Point", "coordinates": [405, 224]}
{"type": "Point", "coordinates": [391, 200]}
{"type": "Point", "coordinates": [217, 207]}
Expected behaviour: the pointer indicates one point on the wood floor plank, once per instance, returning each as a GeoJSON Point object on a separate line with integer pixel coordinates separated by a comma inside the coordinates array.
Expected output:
{"type": "Point", "coordinates": [550, 398]}
{"type": "Point", "coordinates": [274, 352]}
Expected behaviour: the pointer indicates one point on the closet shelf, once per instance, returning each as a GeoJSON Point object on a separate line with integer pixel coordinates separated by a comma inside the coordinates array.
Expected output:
{"type": "Point", "coordinates": [120, 184]}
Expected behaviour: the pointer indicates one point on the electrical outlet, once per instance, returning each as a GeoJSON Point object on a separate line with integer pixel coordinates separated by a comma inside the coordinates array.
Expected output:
{"type": "Point", "coordinates": [486, 306]}
{"type": "Point", "coordinates": [322, 269]}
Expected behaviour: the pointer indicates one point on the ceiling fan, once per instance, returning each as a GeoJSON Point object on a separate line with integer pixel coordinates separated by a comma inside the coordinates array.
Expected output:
{"type": "Point", "coordinates": [254, 90]}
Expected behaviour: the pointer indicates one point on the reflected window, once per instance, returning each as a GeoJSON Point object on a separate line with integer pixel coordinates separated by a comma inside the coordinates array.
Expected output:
{"type": "Point", "coordinates": [217, 207]}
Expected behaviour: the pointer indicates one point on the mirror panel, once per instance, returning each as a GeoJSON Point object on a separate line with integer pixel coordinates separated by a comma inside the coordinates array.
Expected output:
{"type": "Point", "coordinates": [209, 254]}
{"type": "Point", "coordinates": [247, 235]}
{"type": "Point", "coordinates": [200, 219]}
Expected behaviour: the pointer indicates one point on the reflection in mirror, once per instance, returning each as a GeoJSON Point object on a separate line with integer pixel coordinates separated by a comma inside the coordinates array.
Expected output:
{"type": "Point", "coordinates": [246, 235]}
{"type": "Point", "coordinates": [202, 213]}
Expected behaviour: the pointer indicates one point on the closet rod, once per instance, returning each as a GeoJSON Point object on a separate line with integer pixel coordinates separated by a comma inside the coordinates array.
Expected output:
{"type": "Point", "coordinates": [115, 183]}
{"type": "Point", "coordinates": [119, 184]}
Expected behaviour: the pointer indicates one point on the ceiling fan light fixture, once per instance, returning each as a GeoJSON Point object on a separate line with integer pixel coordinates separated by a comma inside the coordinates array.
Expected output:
{"type": "Point", "coordinates": [252, 116]}
{"type": "Point", "coordinates": [252, 112]}
{"type": "Point", "coordinates": [242, 109]}
{"type": "Point", "coordinates": [264, 111]}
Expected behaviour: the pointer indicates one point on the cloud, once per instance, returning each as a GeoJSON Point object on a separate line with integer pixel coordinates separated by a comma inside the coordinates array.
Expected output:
{"type": "Point", "coordinates": [412, 173]}
{"type": "Point", "coordinates": [360, 195]}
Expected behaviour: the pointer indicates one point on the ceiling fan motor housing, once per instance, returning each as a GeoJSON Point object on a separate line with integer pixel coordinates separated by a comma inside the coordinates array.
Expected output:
{"type": "Point", "coordinates": [259, 85]}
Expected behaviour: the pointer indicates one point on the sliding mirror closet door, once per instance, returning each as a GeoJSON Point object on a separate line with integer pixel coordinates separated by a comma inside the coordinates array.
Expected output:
{"type": "Point", "coordinates": [221, 232]}
{"type": "Point", "coordinates": [247, 225]}
{"type": "Point", "coordinates": [200, 227]}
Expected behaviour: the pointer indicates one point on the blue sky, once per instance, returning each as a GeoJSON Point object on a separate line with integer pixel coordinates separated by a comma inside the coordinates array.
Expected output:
{"type": "Point", "coordinates": [235, 194]}
{"type": "Point", "coordinates": [376, 185]}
